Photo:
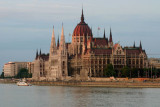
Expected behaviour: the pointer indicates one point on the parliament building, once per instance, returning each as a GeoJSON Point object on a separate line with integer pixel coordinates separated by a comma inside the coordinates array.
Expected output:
{"type": "Point", "coordinates": [86, 56]}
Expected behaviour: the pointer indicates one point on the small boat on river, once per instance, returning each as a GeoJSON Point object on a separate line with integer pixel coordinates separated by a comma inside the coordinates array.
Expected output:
{"type": "Point", "coordinates": [23, 83]}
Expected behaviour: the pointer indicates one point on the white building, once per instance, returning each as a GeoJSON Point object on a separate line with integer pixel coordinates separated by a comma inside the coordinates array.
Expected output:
{"type": "Point", "coordinates": [11, 69]}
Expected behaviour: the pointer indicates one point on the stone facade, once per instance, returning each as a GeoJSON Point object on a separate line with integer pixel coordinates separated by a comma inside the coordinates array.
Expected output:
{"type": "Point", "coordinates": [85, 56]}
{"type": "Point", "coordinates": [54, 65]}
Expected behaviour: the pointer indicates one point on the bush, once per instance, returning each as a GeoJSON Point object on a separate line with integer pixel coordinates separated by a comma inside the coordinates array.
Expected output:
{"type": "Point", "coordinates": [23, 73]}
{"type": "Point", "coordinates": [109, 71]}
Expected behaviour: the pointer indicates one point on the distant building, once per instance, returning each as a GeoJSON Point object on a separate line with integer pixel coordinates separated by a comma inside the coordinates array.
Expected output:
{"type": "Point", "coordinates": [11, 69]}
{"type": "Point", "coordinates": [86, 56]}
{"type": "Point", "coordinates": [154, 62]}
{"type": "Point", "coordinates": [30, 67]}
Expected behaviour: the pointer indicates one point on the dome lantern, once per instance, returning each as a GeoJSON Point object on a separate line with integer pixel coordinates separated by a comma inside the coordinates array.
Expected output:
{"type": "Point", "coordinates": [82, 28]}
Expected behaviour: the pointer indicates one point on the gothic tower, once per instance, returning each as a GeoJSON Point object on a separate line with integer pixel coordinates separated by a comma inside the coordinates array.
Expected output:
{"type": "Point", "coordinates": [63, 69]}
{"type": "Point", "coordinates": [53, 60]}
{"type": "Point", "coordinates": [58, 69]}
{"type": "Point", "coordinates": [53, 48]}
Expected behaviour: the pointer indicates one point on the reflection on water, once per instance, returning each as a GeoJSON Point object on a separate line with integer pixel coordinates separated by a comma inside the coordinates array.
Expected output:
{"type": "Point", "coordinates": [59, 96]}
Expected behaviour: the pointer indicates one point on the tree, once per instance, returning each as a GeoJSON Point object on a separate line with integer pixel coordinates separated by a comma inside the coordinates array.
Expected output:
{"type": "Point", "coordinates": [23, 73]}
{"type": "Point", "coordinates": [2, 75]}
{"type": "Point", "coordinates": [109, 71]}
{"type": "Point", "coordinates": [134, 72]}
{"type": "Point", "coordinates": [125, 71]}
{"type": "Point", "coordinates": [145, 72]}
{"type": "Point", "coordinates": [155, 72]}
{"type": "Point", "coordinates": [158, 72]}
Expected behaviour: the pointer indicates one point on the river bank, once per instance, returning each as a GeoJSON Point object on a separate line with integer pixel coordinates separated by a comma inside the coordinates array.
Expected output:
{"type": "Point", "coordinates": [112, 84]}
{"type": "Point", "coordinates": [100, 84]}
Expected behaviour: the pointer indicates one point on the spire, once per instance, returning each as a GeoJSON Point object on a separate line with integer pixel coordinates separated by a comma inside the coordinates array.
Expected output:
{"type": "Point", "coordinates": [58, 42]}
{"type": "Point", "coordinates": [134, 45]}
{"type": "Point", "coordinates": [82, 16]}
{"type": "Point", "coordinates": [40, 52]}
{"type": "Point", "coordinates": [104, 36]}
{"type": "Point", "coordinates": [53, 43]}
{"type": "Point", "coordinates": [62, 33]}
{"type": "Point", "coordinates": [62, 42]}
{"type": "Point", "coordinates": [110, 38]}
{"type": "Point", "coordinates": [140, 46]}
{"type": "Point", "coordinates": [37, 54]}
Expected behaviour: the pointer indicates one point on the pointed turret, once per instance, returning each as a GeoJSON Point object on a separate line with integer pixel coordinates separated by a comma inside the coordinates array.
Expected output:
{"type": "Point", "coordinates": [110, 44]}
{"type": "Point", "coordinates": [40, 52]}
{"type": "Point", "coordinates": [82, 17]}
{"type": "Point", "coordinates": [63, 55]}
{"type": "Point", "coordinates": [104, 36]}
{"type": "Point", "coordinates": [62, 42]}
{"type": "Point", "coordinates": [53, 44]}
{"type": "Point", "coordinates": [134, 45]}
{"type": "Point", "coordinates": [110, 38]}
{"type": "Point", "coordinates": [58, 42]}
{"type": "Point", "coordinates": [140, 45]}
{"type": "Point", "coordinates": [37, 54]}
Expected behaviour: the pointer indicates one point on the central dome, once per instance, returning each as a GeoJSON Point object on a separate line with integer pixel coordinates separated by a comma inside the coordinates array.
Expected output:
{"type": "Point", "coordinates": [82, 28]}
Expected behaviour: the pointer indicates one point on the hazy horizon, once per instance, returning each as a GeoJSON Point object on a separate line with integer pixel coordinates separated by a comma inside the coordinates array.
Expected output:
{"type": "Point", "coordinates": [26, 26]}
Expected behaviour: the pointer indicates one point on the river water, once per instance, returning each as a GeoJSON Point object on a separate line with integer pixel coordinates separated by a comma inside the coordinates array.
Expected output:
{"type": "Point", "coordinates": [62, 96]}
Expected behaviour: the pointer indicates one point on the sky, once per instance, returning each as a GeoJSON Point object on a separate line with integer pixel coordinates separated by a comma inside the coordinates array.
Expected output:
{"type": "Point", "coordinates": [26, 25]}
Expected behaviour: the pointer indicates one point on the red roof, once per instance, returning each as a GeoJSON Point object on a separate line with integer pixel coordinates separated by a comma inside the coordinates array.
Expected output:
{"type": "Point", "coordinates": [100, 42]}
{"type": "Point", "coordinates": [82, 29]}
{"type": "Point", "coordinates": [102, 51]}
{"type": "Point", "coordinates": [133, 51]}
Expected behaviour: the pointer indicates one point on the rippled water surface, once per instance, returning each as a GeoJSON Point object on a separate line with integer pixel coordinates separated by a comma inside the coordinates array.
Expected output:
{"type": "Point", "coordinates": [59, 96]}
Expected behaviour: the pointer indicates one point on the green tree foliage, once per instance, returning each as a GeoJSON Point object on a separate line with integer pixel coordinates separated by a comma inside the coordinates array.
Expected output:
{"type": "Point", "coordinates": [23, 73]}
{"type": "Point", "coordinates": [141, 73]}
{"type": "Point", "coordinates": [2, 75]}
{"type": "Point", "coordinates": [145, 72]}
{"type": "Point", "coordinates": [134, 72]}
{"type": "Point", "coordinates": [125, 72]}
{"type": "Point", "coordinates": [158, 72]}
{"type": "Point", "coordinates": [154, 72]}
{"type": "Point", "coordinates": [109, 71]}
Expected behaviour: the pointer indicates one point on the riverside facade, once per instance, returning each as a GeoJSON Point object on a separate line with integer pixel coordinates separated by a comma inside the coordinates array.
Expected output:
{"type": "Point", "coordinates": [86, 56]}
